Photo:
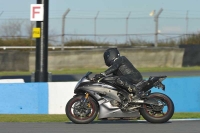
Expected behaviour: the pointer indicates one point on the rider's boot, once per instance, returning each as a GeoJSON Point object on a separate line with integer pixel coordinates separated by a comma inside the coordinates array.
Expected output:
{"type": "Point", "coordinates": [135, 93]}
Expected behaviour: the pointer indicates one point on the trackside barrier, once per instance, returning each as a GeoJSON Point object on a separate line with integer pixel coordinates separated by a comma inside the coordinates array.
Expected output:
{"type": "Point", "coordinates": [51, 98]}
{"type": "Point", "coordinates": [24, 98]}
{"type": "Point", "coordinates": [185, 93]}
{"type": "Point", "coordinates": [59, 94]}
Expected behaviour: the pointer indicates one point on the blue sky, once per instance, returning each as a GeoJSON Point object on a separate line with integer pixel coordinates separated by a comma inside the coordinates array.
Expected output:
{"type": "Point", "coordinates": [172, 19]}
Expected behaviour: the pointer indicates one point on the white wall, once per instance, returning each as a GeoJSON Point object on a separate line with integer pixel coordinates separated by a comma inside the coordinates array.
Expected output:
{"type": "Point", "coordinates": [59, 94]}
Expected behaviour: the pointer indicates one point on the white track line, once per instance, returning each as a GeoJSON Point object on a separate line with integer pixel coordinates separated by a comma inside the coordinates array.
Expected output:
{"type": "Point", "coordinates": [198, 119]}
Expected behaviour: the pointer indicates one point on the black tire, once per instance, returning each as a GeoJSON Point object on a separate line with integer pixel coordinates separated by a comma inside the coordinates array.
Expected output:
{"type": "Point", "coordinates": [152, 118]}
{"type": "Point", "coordinates": [93, 110]}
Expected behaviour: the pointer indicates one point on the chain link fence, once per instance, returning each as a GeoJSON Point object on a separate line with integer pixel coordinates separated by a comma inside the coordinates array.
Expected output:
{"type": "Point", "coordinates": [127, 27]}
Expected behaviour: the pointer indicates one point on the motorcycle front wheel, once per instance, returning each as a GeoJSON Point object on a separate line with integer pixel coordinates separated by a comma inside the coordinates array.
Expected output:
{"type": "Point", "coordinates": [160, 113]}
{"type": "Point", "coordinates": [81, 112]}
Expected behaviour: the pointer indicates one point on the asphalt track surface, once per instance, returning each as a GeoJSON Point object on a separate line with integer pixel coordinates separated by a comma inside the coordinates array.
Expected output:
{"type": "Point", "coordinates": [103, 127]}
{"type": "Point", "coordinates": [76, 77]}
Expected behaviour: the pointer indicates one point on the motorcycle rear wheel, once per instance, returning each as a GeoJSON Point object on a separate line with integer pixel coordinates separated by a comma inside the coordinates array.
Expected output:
{"type": "Point", "coordinates": [156, 114]}
{"type": "Point", "coordinates": [80, 114]}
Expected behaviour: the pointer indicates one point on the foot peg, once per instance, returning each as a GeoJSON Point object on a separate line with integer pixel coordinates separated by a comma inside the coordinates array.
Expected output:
{"type": "Point", "coordinates": [136, 98]}
{"type": "Point", "coordinates": [132, 98]}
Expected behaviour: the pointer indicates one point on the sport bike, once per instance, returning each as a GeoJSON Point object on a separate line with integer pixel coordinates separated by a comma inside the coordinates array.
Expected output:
{"type": "Point", "coordinates": [105, 100]}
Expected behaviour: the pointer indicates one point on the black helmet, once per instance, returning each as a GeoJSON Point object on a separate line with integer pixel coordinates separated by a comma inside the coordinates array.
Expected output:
{"type": "Point", "coordinates": [110, 55]}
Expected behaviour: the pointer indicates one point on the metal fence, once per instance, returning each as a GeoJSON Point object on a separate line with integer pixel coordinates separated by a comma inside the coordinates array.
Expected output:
{"type": "Point", "coordinates": [108, 26]}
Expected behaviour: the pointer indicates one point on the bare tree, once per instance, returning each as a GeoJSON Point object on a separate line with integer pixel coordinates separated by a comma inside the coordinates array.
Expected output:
{"type": "Point", "coordinates": [11, 28]}
{"type": "Point", "coordinates": [53, 37]}
{"type": "Point", "coordinates": [29, 28]}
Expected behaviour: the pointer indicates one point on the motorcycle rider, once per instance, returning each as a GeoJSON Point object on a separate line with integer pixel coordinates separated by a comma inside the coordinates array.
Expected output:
{"type": "Point", "coordinates": [127, 74]}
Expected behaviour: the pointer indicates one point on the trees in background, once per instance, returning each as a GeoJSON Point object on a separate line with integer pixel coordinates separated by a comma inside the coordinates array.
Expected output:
{"type": "Point", "coordinates": [19, 33]}
{"type": "Point", "coordinates": [11, 29]}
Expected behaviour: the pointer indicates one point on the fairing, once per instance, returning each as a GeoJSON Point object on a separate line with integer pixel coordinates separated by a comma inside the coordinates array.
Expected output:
{"type": "Point", "coordinates": [97, 89]}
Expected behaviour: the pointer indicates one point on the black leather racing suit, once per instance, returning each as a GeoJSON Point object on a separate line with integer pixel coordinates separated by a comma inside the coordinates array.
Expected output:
{"type": "Point", "coordinates": [126, 72]}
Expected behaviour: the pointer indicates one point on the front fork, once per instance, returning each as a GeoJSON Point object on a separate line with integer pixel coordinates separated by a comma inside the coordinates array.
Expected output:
{"type": "Point", "coordinates": [85, 100]}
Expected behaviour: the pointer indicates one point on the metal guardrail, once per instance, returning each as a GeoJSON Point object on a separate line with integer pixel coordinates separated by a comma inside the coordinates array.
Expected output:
{"type": "Point", "coordinates": [50, 47]}
{"type": "Point", "coordinates": [68, 47]}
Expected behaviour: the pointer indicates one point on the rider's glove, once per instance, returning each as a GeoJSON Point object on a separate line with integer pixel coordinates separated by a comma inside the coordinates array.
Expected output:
{"type": "Point", "coordinates": [99, 76]}
{"type": "Point", "coordinates": [103, 73]}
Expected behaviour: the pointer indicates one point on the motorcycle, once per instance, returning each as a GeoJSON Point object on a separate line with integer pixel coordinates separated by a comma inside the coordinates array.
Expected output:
{"type": "Point", "coordinates": [103, 98]}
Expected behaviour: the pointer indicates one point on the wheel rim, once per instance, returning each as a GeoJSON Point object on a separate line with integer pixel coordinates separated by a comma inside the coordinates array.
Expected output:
{"type": "Point", "coordinates": [158, 111]}
{"type": "Point", "coordinates": [81, 113]}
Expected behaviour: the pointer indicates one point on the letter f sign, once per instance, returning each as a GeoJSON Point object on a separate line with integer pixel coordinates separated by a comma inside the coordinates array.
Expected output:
{"type": "Point", "coordinates": [37, 12]}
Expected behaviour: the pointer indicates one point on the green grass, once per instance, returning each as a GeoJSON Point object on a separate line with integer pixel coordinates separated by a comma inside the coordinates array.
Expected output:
{"type": "Point", "coordinates": [167, 69]}
{"type": "Point", "coordinates": [98, 70]}
{"type": "Point", "coordinates": [186, 115]}
{"type": "Point", "coordinates": [63, 118]}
